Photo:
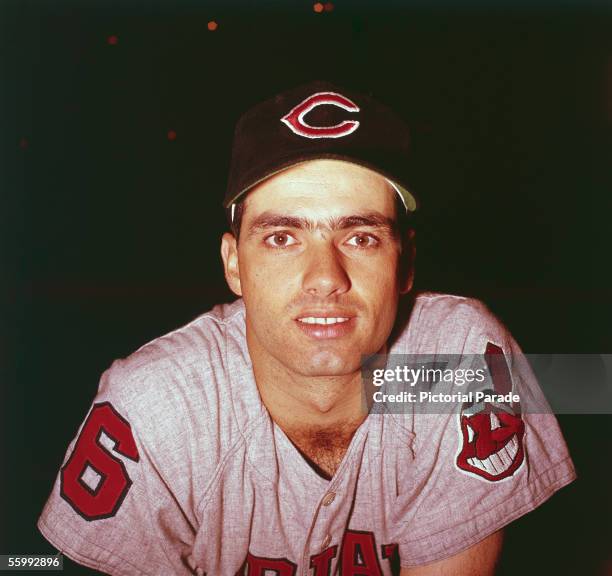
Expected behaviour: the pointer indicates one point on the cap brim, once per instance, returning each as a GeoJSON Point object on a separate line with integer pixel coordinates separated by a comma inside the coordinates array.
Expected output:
{"type": "Point", "coordinates": [408, 200]}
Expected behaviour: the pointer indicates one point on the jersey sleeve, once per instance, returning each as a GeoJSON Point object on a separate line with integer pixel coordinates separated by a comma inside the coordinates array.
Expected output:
{"type": "Point", "coordinates": [112, 508]}
{"type": "Point", "coordinates": [482, 466]}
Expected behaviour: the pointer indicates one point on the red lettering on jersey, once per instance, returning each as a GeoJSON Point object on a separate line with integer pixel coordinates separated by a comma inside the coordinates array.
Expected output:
{"type": "Point", "coordinates": [295, 118]}
{"type": "Point", "coordinates": [388, 550]}
{"type": "Point", "coordinates": [259, 566]}
{"type": "Point", "coordinates": [358, 556]}
{"type": "Point", "coordinates": [322, 562]}
{"type": "Point", "coordinates": [105, 499]}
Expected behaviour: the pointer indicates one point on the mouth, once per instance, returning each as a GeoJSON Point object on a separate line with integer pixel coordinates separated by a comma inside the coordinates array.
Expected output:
{"type": "Point", "coordinates": [322, 321]}
{"type": "Point", "coordinates": [324, 326]}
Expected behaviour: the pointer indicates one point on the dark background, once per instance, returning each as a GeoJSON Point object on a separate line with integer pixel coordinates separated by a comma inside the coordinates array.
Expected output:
{"type": "Point", "coordinates": [110, 228]}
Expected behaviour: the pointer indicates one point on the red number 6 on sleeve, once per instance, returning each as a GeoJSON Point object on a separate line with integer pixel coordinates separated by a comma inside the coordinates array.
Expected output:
{"type": "Point", "coordinates": [89, 455]}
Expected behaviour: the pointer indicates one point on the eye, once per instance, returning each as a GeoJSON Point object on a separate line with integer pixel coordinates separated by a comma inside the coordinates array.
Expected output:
{"type": "Point", "coordinates": [280, 240]}
{"type": "Point", "coordinates": [363, 241]}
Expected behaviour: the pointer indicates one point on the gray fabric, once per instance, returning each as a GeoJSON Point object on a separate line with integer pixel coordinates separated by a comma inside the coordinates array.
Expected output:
{"type": "Point", "coordinates": [217, 479]}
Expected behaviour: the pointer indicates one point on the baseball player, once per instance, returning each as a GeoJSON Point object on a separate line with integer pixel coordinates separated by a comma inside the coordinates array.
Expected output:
{"type": "Point", "coordinates": [241, 444]}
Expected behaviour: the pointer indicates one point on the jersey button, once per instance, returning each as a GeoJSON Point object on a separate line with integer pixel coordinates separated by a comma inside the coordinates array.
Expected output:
{"type": "Point", "coordinates": [326, 542]}
{"type": "Point", "coordinates": [329, 498]}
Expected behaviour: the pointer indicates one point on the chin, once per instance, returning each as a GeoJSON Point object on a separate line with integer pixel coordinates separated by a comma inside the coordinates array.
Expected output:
{"type": "Point", "coordinates": [325, 363]}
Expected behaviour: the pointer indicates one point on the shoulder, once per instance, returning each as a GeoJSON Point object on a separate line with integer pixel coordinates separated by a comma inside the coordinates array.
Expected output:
{"type": "Point", "coordinates": [148, 451]}
{"type": "Point", "coordinates": [177, 386]}
{"type": "Point", "coordinates": [434, 307]}
{"type": "Point", "coordinates": [447, 323]}
{"type": "Point", "coordinates": [180, 354]}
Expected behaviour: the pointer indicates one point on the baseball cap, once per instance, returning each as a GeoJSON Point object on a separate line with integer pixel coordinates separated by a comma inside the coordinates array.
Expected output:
{"type": "Point", "coordinates": [319, 120]}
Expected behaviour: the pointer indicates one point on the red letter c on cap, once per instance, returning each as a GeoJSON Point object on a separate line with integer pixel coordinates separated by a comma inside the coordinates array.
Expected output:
{"type": "Point", "coordinates": [295, 118]}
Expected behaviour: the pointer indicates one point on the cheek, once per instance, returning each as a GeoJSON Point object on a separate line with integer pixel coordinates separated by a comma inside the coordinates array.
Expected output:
{"type": "Point", "coordinates": [377, 280]}
{"type": "Point", "coordinates": [265, 283]}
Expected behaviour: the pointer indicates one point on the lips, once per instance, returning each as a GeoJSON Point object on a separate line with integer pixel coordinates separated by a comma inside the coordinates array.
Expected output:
{"type": "Point", "coordinates": [492, 444]}
{"type": "Point", "coordinates": [324, 325]}
{"type": "Point", "coordinates": [322, 321]}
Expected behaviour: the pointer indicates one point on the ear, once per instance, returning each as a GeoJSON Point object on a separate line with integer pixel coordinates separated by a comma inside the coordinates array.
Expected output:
{"type": "Point", "coordinates": [408, 258]}
{"type": "Point", "coordinates": [229, 254]}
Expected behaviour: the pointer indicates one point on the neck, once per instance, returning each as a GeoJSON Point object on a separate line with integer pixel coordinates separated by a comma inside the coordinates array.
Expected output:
{"type": "Point", "coordinates": [293, 398]}
{"type": "Point", "coordinates": [319, 414]}
{"type": "Point", "coordinates": [296, 401]}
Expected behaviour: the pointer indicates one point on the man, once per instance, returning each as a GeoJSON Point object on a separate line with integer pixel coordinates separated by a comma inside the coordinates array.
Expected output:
{"type": "Point", "coordinates": [241, 443]}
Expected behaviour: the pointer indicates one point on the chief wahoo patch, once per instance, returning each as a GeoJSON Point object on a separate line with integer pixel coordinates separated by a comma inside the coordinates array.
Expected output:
{"type": "Point", "coordinates": [492, 434]}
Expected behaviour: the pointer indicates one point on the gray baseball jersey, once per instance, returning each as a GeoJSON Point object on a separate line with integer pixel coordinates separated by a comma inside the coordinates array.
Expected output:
{"type": "Point", "coordinates": [179, 469]}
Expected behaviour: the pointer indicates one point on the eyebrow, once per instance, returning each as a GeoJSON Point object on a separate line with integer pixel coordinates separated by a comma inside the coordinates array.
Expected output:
{"type": "Point", "coordinates": [371, 219]}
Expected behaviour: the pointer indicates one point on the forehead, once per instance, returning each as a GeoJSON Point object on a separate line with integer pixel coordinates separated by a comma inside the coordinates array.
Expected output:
{"type": "Point", "coordinates": [325, 188]}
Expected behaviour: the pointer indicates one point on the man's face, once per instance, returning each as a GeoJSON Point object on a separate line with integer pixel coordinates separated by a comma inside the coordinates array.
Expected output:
{"type": "Point", "coordinates": [317, 265]}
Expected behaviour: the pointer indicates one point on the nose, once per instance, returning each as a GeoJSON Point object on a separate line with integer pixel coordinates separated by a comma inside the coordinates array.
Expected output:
{"type": "Point", "coordinates": [325, 274]}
